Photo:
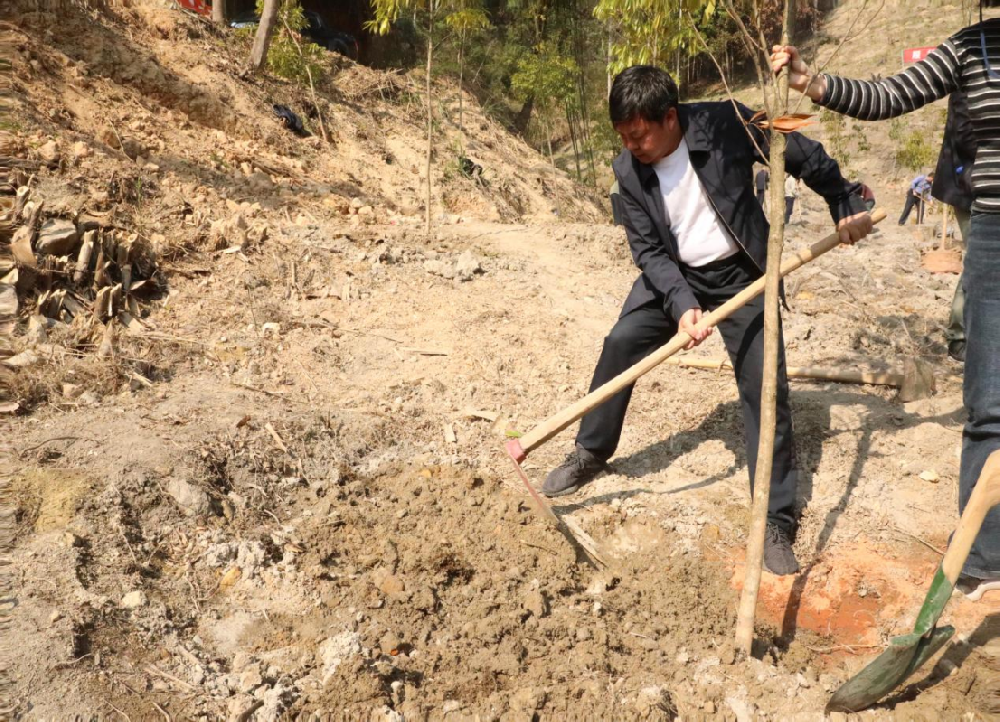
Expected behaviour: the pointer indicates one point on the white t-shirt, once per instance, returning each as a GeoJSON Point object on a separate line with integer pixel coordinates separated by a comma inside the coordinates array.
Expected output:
{"type": "Point", "coordinates": [791, 187]}
{"type": "Point", "coordinates": [701, 237]}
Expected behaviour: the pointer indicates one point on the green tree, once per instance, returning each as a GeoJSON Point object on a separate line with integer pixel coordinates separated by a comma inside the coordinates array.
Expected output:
{"type": "Point", "coordinates": [549, 77]}
{"type": "Point", "coordinates": [649, 31]}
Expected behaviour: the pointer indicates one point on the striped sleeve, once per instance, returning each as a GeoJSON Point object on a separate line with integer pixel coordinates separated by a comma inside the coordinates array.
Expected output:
{"type": "Point", "coordinates": [934, 77]}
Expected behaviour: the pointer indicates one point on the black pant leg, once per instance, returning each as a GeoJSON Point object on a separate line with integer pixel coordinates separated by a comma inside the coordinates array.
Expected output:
{"type": "Point", "coordinates": [911, 200]}
{"type": "Point", "coordinates": [743, 333]}
{"type": "Point", "coordinates": [634, 336]}
{"type": "Point", "coordinates": [789, 207]}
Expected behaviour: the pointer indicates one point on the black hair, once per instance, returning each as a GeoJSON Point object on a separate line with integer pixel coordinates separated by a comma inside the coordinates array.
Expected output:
{"type": "Point", "coordinates": [645, 91]}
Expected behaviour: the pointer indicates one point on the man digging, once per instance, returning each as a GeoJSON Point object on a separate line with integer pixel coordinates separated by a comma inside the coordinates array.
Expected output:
{"type": "Point", "coordinates": [699, 236]}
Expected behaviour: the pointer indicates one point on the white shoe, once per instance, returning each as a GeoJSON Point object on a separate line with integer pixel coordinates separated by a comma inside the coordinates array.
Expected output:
{"type": "Point", "coordinates": [973, 589]}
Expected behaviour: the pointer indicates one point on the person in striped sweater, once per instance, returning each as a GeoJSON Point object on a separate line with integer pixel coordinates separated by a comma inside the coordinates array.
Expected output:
{"type": "Point", "coordinates": [968, 61]}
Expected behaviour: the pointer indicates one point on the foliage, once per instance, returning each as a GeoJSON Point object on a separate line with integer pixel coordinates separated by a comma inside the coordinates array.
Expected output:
{"type": "Point", "coordinates": [548, 76]}
{"type": "Point", "coordinates": [649, 31]}
{"type": "Point", "coordinates": [468, 19]}
{"type": "Point", "coordinates": [289, 57]}
{"type": "Point", "coordinates": [916, 153]}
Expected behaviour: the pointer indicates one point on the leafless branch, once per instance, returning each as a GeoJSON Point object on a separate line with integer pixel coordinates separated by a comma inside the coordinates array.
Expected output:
{"type": "Point", "coordinates": [851, 35]}
{"type": "Point", "coordinates": [725, 83]}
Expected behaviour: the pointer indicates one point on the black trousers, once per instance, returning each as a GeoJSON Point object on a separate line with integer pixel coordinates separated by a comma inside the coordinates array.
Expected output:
{"type": "Point", "coordinates": [761, 192]}
{"type": "Point", "coordinates": [643, 330]}
{"type": "Point", "coordinates": [911, 200]}
{"type": "Point", "coordinates": [789, 207]}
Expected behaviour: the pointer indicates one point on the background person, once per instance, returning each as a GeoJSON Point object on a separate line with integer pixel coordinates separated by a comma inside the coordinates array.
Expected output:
{"type": "Point", "coordinates": [791, 193]}
{"type": "Point", "coordinates": [761, 182]}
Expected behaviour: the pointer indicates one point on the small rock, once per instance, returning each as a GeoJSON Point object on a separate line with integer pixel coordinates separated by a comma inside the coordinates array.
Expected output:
{"type": "Point", "coordinates": [451, 705]}
{"type": "Point", "coordinates": [188, 496]}
{"type": "Point", "coordinates": [467, 266]}
{"type": "Point", "coordinates": [710, 707]}
{"type": "Point", "coordinates": [655, 703]}
{"type": "Point", "coordinates": [49, 153]}
{"type": "Point", "coordinates": [930, 475]}
{"type": "Point", "coordinates": [134, 600]}
{"type": "Point", "coordinates": [55, 617]}
{"type": "Point", "coordinates": [537, 603]}
{"type": "Point", "coordinates": [335, 650]}
{"type": "Point", "coordinates": [72, 391]}
{"type": "Point", "coordinates": [366, 211]}
{"type": "Point", "coordinates": [251, 678]}
{"type": "Point", "coordinates": [241, 707]}
{"type": "Point", "coordinates": [80, 151]}
{"type": "Point", "coordinates": [132, 148]}
{"type": "Point", "coordinates": [36, 330]}
{"type": "Point", "coordinates": [388, 583]}
{"type": "Point", "coordinates": [57, 237]}
{"type": "Point", "coordinates": [727, 655]}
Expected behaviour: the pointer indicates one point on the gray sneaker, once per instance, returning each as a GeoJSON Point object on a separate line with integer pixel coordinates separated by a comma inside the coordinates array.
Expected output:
{"type": "Point", "coordinates": [778, 555]}
{"type": "Point", "coordinates": [579, 468]}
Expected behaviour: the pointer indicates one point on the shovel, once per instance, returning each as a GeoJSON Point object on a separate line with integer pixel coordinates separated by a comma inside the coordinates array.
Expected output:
{"type": "Point", "coordinates": [906, 653]}
{"type": "Point", "coordinates": [518, 448]}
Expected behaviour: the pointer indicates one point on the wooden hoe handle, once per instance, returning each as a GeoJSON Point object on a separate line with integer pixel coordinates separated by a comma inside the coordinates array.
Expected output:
{"type": "Point", "coordinates": [519, 448]}
{"type": "Point", "coordinates": [985, 496]}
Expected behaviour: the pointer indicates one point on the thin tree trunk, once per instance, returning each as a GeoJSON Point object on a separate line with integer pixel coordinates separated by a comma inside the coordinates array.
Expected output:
{"type": "Point", "coordinates": [576, 150]}
{"type": "Point", "coordinates": [547, 129]}
{"type": "Point", "coordinates": [461, 75]}
{"type": "Point", "coordinates": [769, 386]}
{"type": "Point", "coordinates": [265, 31]}
{"type": "Point", "coordinates": [430, 111]}
{"type": "Point", "coordinates": [607, 60]}
{"type": "Point", "coordinates": [219, 11]}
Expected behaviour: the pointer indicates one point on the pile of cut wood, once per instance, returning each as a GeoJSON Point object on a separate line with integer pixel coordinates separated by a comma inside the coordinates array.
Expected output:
{"type": "Point", "coordinates": [65, 271]}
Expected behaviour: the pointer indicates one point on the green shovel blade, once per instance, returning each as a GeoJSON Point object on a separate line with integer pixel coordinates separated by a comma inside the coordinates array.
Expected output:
{"type": "Point", "coordinates": [888, 671]}
{"type": "Point", "coordinates": [902, 658]}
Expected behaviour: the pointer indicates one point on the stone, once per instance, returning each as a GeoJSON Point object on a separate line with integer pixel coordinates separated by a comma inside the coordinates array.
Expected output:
{"type": "Point", "coordinates": [57, 237]}
{"type": "Point", "coordinates": [80, 151]}
{"type": "Point", "coordinates": [251, 678]}
{"type": "Point", "coordinates": [931, 476]}
{"type": "Point", "coordinates": [537, 603]}
{"type": "Point", "coordinates": [188, 496]}
{"type": "Point", "coordinates": [36, 330]}
{"type": "Point", "coordinates": [655, 703]}
{"type": "Point", "coordinates": [388, 583]}
{"type": "Point", "coordinates": [467, 266]}
{"type": "Point", "coordinates": [335, 650]}
{"type": "Point", "coordinates": [134, 600]}
{"type": "Point", "coordinates": [132, 148]}
{"type": "Point", "coordinates": [49, 153]}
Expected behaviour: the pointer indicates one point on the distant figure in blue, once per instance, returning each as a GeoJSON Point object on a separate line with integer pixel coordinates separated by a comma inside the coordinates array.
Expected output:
{"type": "Point", "coordinates": [919, 190]}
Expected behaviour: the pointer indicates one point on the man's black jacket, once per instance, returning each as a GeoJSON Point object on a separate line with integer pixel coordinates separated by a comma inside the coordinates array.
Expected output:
{"type": "Point", "coordinates": [723, 155]}
{"type": "Point", "coordinates": [953, 175]}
